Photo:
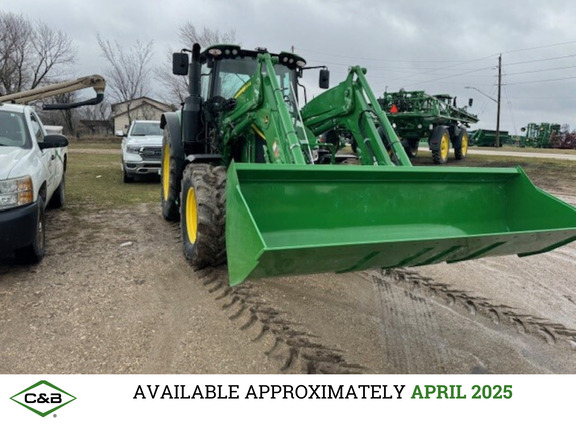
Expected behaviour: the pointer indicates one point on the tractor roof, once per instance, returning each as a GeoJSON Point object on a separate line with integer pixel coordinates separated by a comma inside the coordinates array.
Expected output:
{"type": "Point", "coordinates": [219, 52]}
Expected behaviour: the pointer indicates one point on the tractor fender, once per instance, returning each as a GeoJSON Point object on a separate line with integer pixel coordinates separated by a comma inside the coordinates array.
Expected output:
{"type": "Point", "coordinates": [171, 121]}
{"type": "Point", "coordinates": [436, 137]}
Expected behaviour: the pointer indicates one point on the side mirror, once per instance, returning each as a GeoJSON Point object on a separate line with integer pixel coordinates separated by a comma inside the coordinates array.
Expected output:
{"type": "Point", "coordinates": [470, 101]}
{"type": "Point", "coordinates": [180, 63]}
{"type": "Point", "coordinates": [324, 79]}
{"type": "Point", "coordinates": [53, 141]}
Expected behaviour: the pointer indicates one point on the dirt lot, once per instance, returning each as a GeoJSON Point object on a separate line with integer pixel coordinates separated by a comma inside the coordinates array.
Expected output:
{"type": "Point", "coordinates": [114, 295]}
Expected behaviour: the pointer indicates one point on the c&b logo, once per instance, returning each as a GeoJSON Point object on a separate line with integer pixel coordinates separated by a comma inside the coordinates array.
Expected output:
{"type": "Point", "coordinates": [43, 398]}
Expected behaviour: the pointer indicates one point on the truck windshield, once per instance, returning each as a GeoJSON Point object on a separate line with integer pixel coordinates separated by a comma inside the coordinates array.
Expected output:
{"type": "Point", "coordinates": [13, 130]}
{"type": "Point", "coordinates": [143, 129]}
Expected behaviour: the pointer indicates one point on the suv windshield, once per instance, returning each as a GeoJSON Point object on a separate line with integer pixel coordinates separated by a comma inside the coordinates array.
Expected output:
{"type": "Point", "coordinates": [12, 130]}
{"type": "Point", "coordinates": [143, 129]}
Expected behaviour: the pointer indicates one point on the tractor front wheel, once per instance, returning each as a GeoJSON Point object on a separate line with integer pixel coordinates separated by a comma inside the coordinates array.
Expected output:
{"type": "Point", "coordinates": [202, 214]}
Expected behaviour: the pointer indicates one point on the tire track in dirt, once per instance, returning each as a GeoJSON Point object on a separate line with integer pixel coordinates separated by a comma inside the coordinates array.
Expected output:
{"type": "Point", "coordinates": [409, 318]}
{"type": "Point", "coordinates": [285, 341]}
{"type": "Point", "coordinates": [481, 308]}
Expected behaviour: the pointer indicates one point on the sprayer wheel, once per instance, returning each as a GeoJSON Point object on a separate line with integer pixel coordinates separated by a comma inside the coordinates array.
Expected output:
{"type": "Point", "coordinates": [202, 214]}
{"type": "Point", "coordinates": [440, 135]}
{"type": "Point", "coordinates": [411, 147]}
{"type": "Point", "coordinates": [461, 146]}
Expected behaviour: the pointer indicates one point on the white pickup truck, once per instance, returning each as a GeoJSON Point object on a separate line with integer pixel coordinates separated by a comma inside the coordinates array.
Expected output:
{"type": "Point", "coordinates": [32, 175]}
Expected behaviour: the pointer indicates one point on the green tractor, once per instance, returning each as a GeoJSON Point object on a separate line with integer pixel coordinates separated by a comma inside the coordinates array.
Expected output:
{"type": "Point", "coordinates": [417, 115]}
{"type": "Point", "coordinates": [243, 172]}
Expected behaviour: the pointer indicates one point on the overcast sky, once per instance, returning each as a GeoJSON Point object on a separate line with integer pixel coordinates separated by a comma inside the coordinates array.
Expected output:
{"type": "Point", "coordinates": [439, 47]}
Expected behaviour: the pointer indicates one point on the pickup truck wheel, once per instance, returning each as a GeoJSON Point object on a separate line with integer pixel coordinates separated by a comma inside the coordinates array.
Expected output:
{"type": "Point", "coordinates": [127, 178]}
{"type": "Point", "coordinates": [170, 178]}
{"type": "Point", "coordinates": [34, 252]}
{"type": "Point", "coordinates": [202, 214]}
{"type": "Point", "coordinates": [59, 198]}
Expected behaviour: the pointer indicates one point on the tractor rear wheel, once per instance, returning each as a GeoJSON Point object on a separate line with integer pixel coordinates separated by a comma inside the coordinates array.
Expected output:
{"type": "Point", "coordinates": [172, 161]}
{"type": "Point", "coordinates": [441, 135]}
{"type": "Point", "coordinates": [461, 146]}
{"type": "Point", "coordinates": [203, 214]}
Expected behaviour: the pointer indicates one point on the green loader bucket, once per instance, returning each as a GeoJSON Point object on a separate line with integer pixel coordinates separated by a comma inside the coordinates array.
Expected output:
{"type": "Point", "coordinates": [300, 219]}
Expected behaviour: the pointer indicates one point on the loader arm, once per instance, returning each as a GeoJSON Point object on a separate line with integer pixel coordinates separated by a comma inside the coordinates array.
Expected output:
{"type": "Point", "coordinates": [264, 108]}
{"type": "Point", "coordinates": [353, 106]}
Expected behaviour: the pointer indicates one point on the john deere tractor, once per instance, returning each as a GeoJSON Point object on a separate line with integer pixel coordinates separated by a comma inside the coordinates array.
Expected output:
{"type": "Point", "coordinates": [244, 173]}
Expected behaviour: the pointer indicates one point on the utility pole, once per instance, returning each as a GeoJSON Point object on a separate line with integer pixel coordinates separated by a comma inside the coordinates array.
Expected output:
{"type": "Point", "coordinates": [497, 141]}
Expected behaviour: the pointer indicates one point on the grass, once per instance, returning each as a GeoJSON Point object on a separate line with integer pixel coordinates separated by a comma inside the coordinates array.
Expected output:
{"type": "Point", "coordinates": [548, 173]}
{"type": "Point", "coordinates": [95, 180]}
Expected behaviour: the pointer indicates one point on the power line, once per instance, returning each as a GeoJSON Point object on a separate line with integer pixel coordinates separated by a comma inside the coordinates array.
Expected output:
{"type": "Point", "coordinates": [541, 81]}
{"type": "Point", "coordinates": [541, 60]}
{"type": "Point", "coordinates": [540, 70]}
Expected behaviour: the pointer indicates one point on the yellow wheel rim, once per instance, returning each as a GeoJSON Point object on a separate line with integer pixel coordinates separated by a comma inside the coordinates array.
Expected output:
{"type": "Point", "coordinates": [166, 172]}
{"type": "Point", "coordinates": [444, 146]}
{"type": "Point", "coordinates": [191, 216]}
{"type": "Point", "coordinates": [464, 149]}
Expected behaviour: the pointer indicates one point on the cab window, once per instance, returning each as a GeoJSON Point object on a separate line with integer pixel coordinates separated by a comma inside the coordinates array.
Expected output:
{"type": "Point", "coordinates": [36, 128]}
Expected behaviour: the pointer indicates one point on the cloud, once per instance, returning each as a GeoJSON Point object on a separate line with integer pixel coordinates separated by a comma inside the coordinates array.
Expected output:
{"type": "Point", "coordinates": [439, 47]}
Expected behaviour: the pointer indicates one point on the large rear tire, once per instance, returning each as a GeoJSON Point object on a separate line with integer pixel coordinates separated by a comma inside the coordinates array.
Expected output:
{"type": "Point", "coordinates": [203, 214]}
{"type": "Point", "coordinates": [170, 176]}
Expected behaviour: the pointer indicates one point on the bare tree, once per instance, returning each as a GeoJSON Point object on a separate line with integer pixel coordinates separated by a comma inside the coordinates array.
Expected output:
{"type": "Point", "coordinates": [31, 53]}
{"type": "Point", "coordinates": [177, 86]}
{"type": "Point", "coordinates": [128, 74]}
{"type": "Point", "coordinates": [189, 35]}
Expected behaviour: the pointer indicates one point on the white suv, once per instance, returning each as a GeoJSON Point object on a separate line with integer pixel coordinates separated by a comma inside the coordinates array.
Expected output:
{"type": "Point", "coordinates": [141, 149]}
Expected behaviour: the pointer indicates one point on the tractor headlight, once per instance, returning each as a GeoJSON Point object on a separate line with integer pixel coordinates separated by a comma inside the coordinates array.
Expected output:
{"type": "Point", "coordinates": [16, 192]}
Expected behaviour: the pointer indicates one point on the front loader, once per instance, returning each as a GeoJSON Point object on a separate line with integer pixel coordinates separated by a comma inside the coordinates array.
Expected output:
{"type": "Point", "coordinates": [241, 171]}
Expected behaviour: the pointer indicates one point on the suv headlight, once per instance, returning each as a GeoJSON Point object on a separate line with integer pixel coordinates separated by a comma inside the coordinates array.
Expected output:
{"type": "Point", "coordinates": [16, 192]}
{"type": "Point", "coordinates": [133, 148]}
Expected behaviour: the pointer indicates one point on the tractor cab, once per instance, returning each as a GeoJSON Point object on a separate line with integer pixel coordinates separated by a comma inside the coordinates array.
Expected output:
{"type": "Point", "coordinates": [227, 69]}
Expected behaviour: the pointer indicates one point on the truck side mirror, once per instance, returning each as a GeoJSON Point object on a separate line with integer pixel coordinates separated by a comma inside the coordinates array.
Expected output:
{"type": "Point", "coordinates": [180, 63]}
{"type": "Point", "coordinates": [324, 79]}
{"type": "Point", "coordinates": [470, 101]}
{"type": "Point", "coordinates": [53, 141]}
